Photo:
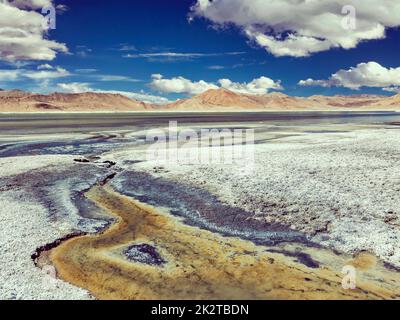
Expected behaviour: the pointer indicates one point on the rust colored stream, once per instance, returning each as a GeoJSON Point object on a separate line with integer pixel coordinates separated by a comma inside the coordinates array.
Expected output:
{"type": "Point", "coordinates": [202, 265]}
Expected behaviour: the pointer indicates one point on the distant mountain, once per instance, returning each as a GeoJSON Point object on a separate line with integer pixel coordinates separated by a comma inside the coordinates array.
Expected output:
{"type": "Point", "coordinates": [349, 102]}
{"type": "Point", "coordinates": [225, 100]}
{"type": "Point", "coordinates": [393, 101]}
{"type": "Point", "coordinates": [214, 99]}
{"type": "Point", "coordinates": [211, 100]}
{"type": "Point", "coordinates": [9, 94]}
{"type": "Point", "coordinates": [20, 101]}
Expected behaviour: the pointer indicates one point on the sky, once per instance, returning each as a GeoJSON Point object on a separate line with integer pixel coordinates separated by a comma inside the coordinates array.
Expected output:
{"type": "Point", "coordinates": [158, 51]}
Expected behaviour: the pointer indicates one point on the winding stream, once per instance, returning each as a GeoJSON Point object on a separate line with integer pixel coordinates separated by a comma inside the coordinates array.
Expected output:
{"type": "Point", "coordinates": [197, 264]}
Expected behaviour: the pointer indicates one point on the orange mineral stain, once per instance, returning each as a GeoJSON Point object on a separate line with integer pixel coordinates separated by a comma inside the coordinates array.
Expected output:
{"type": "Point", "coordinates": [200, 264]}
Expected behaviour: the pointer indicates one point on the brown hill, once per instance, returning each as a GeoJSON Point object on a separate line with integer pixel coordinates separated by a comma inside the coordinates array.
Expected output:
{"type": "Point", "coordinates": [280, 101]}
{"type": "Point", "coordinates": [340, 101]}
{"type": "Point", "coordinates": [215, 99]}
{"type": "Point", "coordinates": [225, 100]}
{"type": "Point", "coordinates": [211, 100]}
{"type": "Point", "coordinates": [13, 93]}
{"type": "Point", "coordinates": [393, 101]}
{"type": "Point", "coordinates": [20, 101]}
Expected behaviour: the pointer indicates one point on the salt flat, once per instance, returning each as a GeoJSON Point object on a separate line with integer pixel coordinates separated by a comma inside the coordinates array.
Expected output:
{"type": "Point", "coordinates": [25, 226]}
{"type": "Point", "coordinates": [341, 188]}
{"type": "Point", "coordinates": [332, 185]}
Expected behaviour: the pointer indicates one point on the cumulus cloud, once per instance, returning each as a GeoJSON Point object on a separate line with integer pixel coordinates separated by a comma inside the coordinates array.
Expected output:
{"type": "Point", "coordinates": [301, 28]}
{"type": "Point", "coordinates": [370, 74]}
{"type": "Point", "coordinates": [80, 87]}
{"type": "Point", "coordinates": [74, 87]}
{"type": "Point", "coordinates": [317, 83]}
{"type": "Point", "coordinates": [257, 86]}
{"type": "Point", "coordinates": [45, 66]}
{"type": "Point", "coordinates": [22, 36]}
{"type": "Point", "coordinates": [30, 4]}
{"type": "Point", "coordinates": [145, 97]}
{"type": "Point", "coordinates": [182, 85]}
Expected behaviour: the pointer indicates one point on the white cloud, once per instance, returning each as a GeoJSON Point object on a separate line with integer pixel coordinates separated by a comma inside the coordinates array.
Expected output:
{"type": "Point", "coordinates": [61, 8]}
{"type": "Point", "coordinates": [257, 86]}
{"type": "Point", "coordinates": [369, 74]}
{"type": "Point", "coordinates": [45, 66]}
{"type": "Point", "coordinates": [37, 75]}
{"type": "Point", "coordinates": [144, 97]}
{"type": "Point", "coordinates": [300, 28]}
{"type": "Point", "coordinates": [156, 76]}
{"type": "Point", "coordinates": [74, 87]}
{"type": "Point", "coordinates": [182, 85]}
{"type": "Point", "coordinates": [173, 56]}
{"type": "Point", "coordinates": [30, 4]}
{"type": "Point", "coordinates": [57, 72]}
{"type": "Point", "coordinates": [83, 51]}
{"type": "Point", "coordinates": [395, 89]}
{"type": "Point", "coordinates": [9, 75]}
{"type": "Point", "coordinates": [79, 87]}
{"type": "Point", "coordinates": [216, 67]}
{"type": "Point", "coordinates": [111, 78]}
{"type": "Point", "coordinates": [87, 70]}
{"type": "Point", "coordinates": [127, 47]}
{"type": "Point", "coordinates": [22, 36]}
{"type": "Point", "coordinates": [311, 82]}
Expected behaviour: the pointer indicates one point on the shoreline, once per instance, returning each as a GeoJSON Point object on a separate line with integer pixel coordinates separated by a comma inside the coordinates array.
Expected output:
{"type": "Point", "coordinates": [169, 112]}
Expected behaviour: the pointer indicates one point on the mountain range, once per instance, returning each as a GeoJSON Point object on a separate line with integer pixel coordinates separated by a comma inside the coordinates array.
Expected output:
{"type": "Point", "coordinates": [211, 100]}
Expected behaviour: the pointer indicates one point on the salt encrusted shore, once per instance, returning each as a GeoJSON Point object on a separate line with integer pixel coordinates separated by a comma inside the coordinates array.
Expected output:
{"type": "Point", "coordinates": [340, 188]}
{"type": "Point", "coordinates": [25, 225]}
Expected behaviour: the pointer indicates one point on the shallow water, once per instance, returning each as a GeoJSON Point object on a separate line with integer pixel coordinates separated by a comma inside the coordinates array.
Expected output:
{"type": "Point", "coordinates": [48, 123]}
{"type": "Point", "coordinates": [86, 134]}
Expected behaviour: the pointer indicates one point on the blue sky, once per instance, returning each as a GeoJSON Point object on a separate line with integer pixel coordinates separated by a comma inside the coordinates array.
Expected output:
{"type": "Point", "coordinates": [119, 45]}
